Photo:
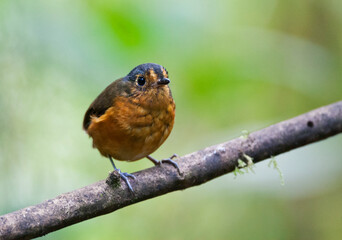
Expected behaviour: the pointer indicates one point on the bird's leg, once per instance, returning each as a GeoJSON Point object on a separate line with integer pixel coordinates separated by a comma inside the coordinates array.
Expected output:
{"type": "Point", "coordinates": [124, 176]}
{"type": "Point", "coordinates": [167, 160]}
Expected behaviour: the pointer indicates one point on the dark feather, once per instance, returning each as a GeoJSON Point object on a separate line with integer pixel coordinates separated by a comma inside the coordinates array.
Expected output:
{"type": "Point", "coordinates": [105, 100]}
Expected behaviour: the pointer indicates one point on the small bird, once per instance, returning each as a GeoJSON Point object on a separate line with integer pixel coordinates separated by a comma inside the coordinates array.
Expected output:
{"type": "Point", "coordinates": [132, 117]}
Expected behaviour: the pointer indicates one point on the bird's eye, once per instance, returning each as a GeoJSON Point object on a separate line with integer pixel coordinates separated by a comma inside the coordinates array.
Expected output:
{"type": "Point", "coordinates": [141, 81]}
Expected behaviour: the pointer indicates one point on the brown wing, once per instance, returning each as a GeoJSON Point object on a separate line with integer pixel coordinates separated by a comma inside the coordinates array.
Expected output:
{"type": "Point", "coordinates": [104, 101]}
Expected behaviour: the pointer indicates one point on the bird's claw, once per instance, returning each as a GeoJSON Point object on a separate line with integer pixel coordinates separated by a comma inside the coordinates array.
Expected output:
{"type": "Point", "coordinates": [166, 160]}
{"type": "Point", "coordinates": [169, 160]}
{"type": "Point", "coordinates": [125, 177]}
{"type": "Point", "coordinates": [129, 175]}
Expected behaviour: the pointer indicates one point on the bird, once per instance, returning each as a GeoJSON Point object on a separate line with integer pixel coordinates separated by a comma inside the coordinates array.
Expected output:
{"type": "Point", "coordinates": [132, 117]}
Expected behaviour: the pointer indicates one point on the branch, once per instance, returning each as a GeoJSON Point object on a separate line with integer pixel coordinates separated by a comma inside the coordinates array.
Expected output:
{"type": "Point", "coordinates": [199, 167]}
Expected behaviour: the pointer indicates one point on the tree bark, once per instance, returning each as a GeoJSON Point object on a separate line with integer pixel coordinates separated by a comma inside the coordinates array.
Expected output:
{"type": "Point", "coordinates": [196, 168]}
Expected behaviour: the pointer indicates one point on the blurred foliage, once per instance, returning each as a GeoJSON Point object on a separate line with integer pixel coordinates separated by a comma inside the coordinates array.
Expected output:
{"type": "Point", "coordinates": [234, 65]}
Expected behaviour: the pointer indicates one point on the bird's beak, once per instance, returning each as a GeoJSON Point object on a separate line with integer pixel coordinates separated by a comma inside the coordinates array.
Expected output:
{"type": "Point", "coordinates": [163, 81]}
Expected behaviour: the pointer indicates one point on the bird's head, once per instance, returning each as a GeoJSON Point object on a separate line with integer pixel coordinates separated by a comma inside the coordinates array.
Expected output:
{"type": "Point", "coordinates": [149, 75]}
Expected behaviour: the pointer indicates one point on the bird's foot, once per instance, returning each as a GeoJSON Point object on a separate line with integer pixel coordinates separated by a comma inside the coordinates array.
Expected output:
{"type": "Point", "coordinates": [166, 160]}
{"type": "Point", "coordinates": [125, 177]}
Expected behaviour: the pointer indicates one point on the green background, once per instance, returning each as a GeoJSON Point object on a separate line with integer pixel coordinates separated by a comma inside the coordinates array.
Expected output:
{"type": "Point", "coordinates": [233, 65]}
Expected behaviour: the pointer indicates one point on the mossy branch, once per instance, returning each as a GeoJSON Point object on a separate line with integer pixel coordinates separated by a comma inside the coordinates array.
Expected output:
{"type": "Point", "coordinates": [199, 167]}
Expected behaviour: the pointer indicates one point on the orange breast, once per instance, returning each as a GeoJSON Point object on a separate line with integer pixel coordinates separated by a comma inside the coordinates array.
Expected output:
{"type": "Point", "coordinates": [133, 128]}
